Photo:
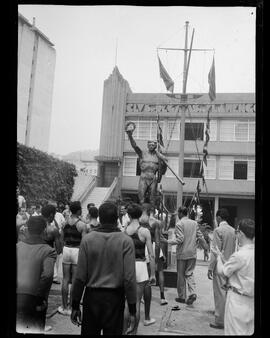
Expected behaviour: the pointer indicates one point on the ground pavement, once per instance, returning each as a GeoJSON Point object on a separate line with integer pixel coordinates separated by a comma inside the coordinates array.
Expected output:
{"type": "Point", "coordinates": [189, 320]}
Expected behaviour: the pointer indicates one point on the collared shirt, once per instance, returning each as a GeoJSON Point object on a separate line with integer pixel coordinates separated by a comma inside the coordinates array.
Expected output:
{"type": "Point", "coordinates": [187, 232]}
{"type": "Point", "coordinates": [223, 238]}
{"type": "Point", "coordinates": [240, 270]}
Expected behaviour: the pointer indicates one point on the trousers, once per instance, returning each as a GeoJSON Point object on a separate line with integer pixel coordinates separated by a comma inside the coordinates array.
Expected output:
{"type": "Point", "coordinates": [28, 319]}
{"type": "Point", "coordinates": [185, 268]}
{"type": "Point", "coordinates": [239, 315]}
{"type": "Point", "coordinates": [103, 309]}
{"type": "Point", "coordinates": [219, 298]}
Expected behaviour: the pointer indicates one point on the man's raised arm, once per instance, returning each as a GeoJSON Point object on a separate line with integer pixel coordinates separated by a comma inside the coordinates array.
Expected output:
{"type": "Point", "coordinates": [133, 143]}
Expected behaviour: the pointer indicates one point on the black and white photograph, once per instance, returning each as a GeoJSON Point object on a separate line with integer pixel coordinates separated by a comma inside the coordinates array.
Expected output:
{"type": "Point", "coordinates": [136, 158]}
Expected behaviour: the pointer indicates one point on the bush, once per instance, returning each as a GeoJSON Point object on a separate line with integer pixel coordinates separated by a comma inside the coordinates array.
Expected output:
{"type": "Point", "coordinates": [42, 177]}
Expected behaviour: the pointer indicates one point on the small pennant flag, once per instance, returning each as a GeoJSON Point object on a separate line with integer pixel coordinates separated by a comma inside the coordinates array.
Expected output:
{"type": "Point", "coordinates": [165, 77]}
{"type": "Point", "coordinates": [159, 133]}
{"type": "Point", "coordinates": [212, 82]}
{"type": "Point", "coordinates": [207, 138]}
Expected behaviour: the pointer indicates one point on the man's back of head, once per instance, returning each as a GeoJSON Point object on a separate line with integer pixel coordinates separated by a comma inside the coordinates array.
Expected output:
{"type": "Point", "coordinates": [108, 213]}
{"type": "Point", "coordinates": [75, 208]}
{"type": "Point", "coordinates": [182, 212]}
{"type": "Point", "coordinates": [134, 211]}
{"type": "Point", "coordinates": [36, 225]}
{"type": "Point", "coordinates": [223, 214]}
{"type": "Point", "coordinates": [48, 211]}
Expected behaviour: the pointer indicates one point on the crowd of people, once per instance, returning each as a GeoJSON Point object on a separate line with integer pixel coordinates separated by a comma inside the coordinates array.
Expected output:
{"type": "Point", "coordinates": [108, 261]}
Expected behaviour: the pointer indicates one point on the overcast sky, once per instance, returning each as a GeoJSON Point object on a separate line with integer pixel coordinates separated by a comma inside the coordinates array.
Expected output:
{"type": "Point", "coordinates": [85, 39]}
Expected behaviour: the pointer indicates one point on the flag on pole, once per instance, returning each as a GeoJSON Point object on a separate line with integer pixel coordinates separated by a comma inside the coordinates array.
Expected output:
{"type": "Point", "coordinates": [165, 77]}
{"type": "Point", "coordinates": [159, 133]}
{"type": "Point", "coordinates": [212, 81]}
{"type": "Point", "coordinates": [207, 138]}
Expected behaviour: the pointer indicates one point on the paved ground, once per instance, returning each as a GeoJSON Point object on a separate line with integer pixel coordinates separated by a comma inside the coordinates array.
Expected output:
{"type": "Point", "coordinates": [189, 320]}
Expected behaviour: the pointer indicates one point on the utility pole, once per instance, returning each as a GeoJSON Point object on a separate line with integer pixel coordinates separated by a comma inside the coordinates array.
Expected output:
{"type": "Point", "coordinates": [182, 125]}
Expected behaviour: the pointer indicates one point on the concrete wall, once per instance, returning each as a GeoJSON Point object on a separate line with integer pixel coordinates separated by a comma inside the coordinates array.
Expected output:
{"type": "Point", "coordinates": [25, 56]}
{"type": "Point", "coordinates": [36, 68]}
{"type": "Point", "coordinates": [42, 96]}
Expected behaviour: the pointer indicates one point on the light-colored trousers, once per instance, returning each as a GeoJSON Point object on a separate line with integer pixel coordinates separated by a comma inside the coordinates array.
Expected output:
{"type": "Point", "coordinates": [185, 268]}
{"type": "Point", "coordinates": [239, 315]}
{"type": "Point", "coordinates": [219, 298]}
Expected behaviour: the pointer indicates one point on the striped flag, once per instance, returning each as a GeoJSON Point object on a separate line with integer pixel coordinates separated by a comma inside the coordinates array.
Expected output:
{"type": "Point", "coordinates": [165, 77]}
{"type": "Point", "coordinates": [212, 81]}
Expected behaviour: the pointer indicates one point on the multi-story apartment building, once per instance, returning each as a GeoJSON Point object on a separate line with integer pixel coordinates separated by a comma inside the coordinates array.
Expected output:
{"type": "Point", "coordinates": [230, 170]}
{"type": "Point", "coordinates": [36, 66]}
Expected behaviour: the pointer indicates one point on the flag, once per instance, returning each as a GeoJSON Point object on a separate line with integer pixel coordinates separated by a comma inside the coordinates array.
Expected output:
{"type": "Point", "coordinates": [159, 133]}
{"type": "Point", "coordinates": [165, 77]}
{"type": "Point", "coordinates": [207, 138]}
{"type": "Point", "coordinates": [212, 82]}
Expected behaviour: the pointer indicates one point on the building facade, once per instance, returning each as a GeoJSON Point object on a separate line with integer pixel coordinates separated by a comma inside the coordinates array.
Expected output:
{"type": "Point", "coordinates": [230, 170]}
{"type": "Point", "coordinates": [36, 67]}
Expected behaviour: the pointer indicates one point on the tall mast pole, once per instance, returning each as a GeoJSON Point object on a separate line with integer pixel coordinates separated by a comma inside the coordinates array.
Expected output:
{"type": "Point", "coordinates": [182, 125]}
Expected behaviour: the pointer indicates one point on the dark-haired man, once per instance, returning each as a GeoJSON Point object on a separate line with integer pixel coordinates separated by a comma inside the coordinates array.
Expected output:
{"type": "Point", "coordinates": [73, 231]}
{"type": "Point", "coordinates": [239, 269]}
{"type": "Point", "coordinates": [106, 269]}
{"type": "Point", "coordinates": [224, 241]}
{"type": "Point", "coordinates": [35, 263]}
{"type": "Point", "coordinates": [142, 239]}
{"type": "Point", "coordinates": [187, 233]}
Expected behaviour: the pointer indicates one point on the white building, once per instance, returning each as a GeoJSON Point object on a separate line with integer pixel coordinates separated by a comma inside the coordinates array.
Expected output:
{"type": "Point", "coordinates": [36, 66]}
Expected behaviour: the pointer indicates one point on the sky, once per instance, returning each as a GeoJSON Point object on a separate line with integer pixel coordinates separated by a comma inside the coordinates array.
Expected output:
{"type": "Point", "coordinates": [91, 40]}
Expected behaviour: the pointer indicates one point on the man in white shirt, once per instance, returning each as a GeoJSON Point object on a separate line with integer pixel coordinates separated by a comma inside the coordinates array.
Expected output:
{"type": "Point", "coordinates": [239, 269]}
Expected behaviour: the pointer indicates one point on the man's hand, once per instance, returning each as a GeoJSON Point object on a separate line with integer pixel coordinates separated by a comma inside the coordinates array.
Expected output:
{"type": "Point", "coordinates": [76, 317]}
{"type": "Point", "coordinates": [152, 280]}
{"type": "Point", "coordinates": [132, 322]}
{"type": "Point", "coordinates": [210, 274]}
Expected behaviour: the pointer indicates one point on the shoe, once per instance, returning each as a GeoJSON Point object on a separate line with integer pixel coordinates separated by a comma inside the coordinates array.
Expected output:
{"type": "Point", "coordinates": [216, 326]}
{"type": "Point", "coordinates": [149, 322]}
{"type": "Point", "coordinates": [47, 328]}
{"type": "Point", "coordinates": [65, 312]}
{"type": "Point", "coordinates": [55, 281]}
{"type": "Point", "coordinates": [180, 300]}
{"type": "Point", "coordinates": [191, 299]}
{"type": "Point", "coordinates": [163, 302]}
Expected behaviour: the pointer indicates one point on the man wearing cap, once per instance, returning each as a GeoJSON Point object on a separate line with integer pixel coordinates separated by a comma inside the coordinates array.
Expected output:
{"type": "Point", "coordinates": [149, 166]}
{"type": "Point", "coordinates": [35, 263]}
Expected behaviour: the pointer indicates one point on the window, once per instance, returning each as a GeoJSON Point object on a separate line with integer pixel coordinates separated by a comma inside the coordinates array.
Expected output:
{"type": "Point", "coordinates": [173, 130]}
{"type": "Point", "coordinates": [210, 169]}
{"type": "Point", "coordinates": [192, 167]}
{"type": "Point", "coordinates": [129, 166]}
{"type": "Point", "coordinates": [251, 169]}
{"type": "Point", "coordinates": [194, 131]}
{"type": "Point", "coordinates": [237, 168]}
{"type": "Point", "coordinates": [241, 131]}
{"type": "Point", "coordinates": [173, 163]}
{"type": "Point", "coordinates": [251, 135]}
{"type": "Point", "coordinates": [226, 130]}
{"type": "Point", "coordinates": [240, 170]}
{"type": "Point", "coordinates": [226, 167]}
{"type": "Point", "coordinates": [145, 130]}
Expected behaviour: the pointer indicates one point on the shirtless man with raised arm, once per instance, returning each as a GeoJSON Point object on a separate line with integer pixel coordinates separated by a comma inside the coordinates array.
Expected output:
{"type": "Point", "coordinates": [149, 165]}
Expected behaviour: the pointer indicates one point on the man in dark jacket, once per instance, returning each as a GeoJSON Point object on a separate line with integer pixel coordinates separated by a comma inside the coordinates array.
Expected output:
{"type": "Point", "coordinates": [106, 269]}
{"type": "Point", "coordinates": [35, 263]}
